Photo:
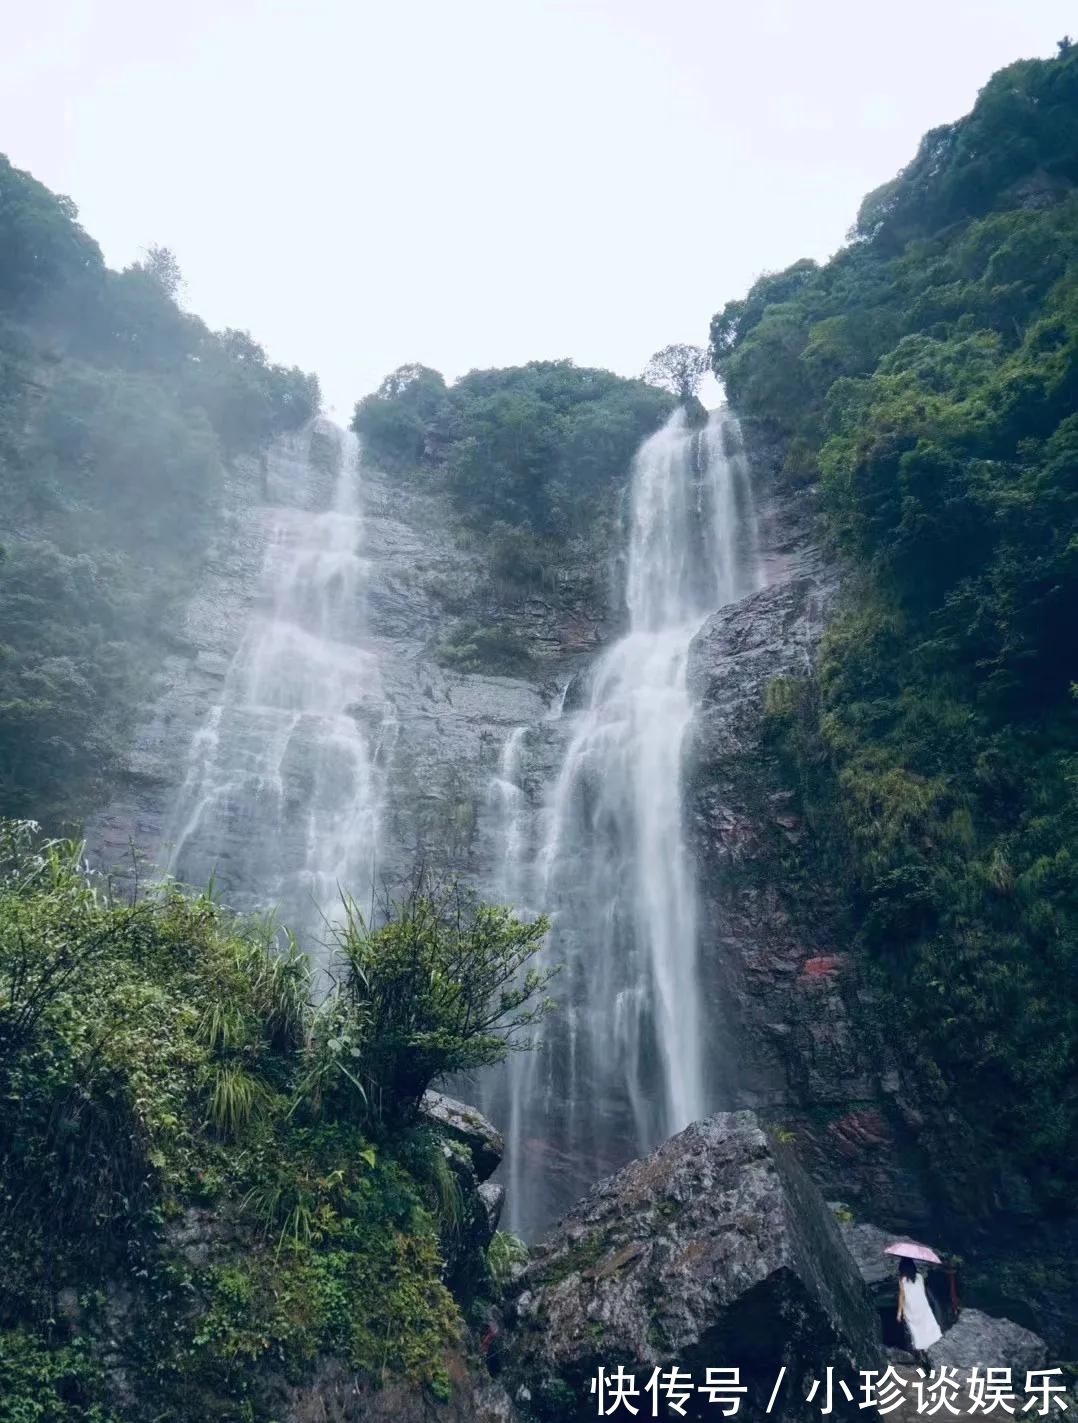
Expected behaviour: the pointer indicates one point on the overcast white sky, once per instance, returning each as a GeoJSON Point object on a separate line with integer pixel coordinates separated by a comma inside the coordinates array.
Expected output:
{"type": "Point", "coordinates": [482, 182]}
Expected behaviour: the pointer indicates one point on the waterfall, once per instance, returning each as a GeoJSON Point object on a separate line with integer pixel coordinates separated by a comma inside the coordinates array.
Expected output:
{"type": "Point", "coordinates": [623, 1062]}
{"type": "Point", "coordinates": [510, 817]}
{"type": "Point", "coordinates": [280, 803]}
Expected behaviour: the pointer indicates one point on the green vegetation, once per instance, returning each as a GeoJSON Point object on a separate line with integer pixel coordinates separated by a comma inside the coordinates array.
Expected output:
{"type": "Point", "coordinates": [507, 1254]}
{"type": "Point", "coordinates": [470, 647]}
{"type": "Point", "coordinates": [205, 1176]}
{"type": "Point", "coordinates": [441, 988]}
{"type": "Point", "coordinates": [118, 411]}
{"type": "Point", "coordinates": [534, 459]}
{"type": "Point", "coordinates": [42, 1385]}
{"type": "Point", "coordinates": [928, 378]}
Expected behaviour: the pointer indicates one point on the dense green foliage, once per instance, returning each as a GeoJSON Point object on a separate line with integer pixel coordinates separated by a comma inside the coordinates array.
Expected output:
{"type": "Point", "coordinates": [182, 1129]}
{"type": "Point", "coordinates": [928, 377]}
{"type": "Point", "coordinates": [534, 456]}
{"type": "Point", "coordinates": [117, 413]}
{"type": "Point", "coordinates": [445, 984]}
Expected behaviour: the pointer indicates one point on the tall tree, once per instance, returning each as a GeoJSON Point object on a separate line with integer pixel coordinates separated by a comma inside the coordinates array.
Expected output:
{"type": "Point", "coordinates": [160, 263]}
{"type": "Point", "coordinates": [678, 369]}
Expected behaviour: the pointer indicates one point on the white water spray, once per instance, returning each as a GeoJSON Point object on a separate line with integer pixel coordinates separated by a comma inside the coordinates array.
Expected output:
{"type": "Point", "coordinates": [283, 790]}
{"type": "Point", "coordinates": [623, 1064]}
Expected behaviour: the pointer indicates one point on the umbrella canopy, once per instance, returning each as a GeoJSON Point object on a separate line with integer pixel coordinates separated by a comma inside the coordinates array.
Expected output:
{"type": "Point", "coordinates": [910, 1250]}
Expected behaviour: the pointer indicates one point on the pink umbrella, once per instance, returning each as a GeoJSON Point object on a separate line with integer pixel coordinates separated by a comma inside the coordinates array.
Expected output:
{"type": "Point", "coordinates": [910, 1250]}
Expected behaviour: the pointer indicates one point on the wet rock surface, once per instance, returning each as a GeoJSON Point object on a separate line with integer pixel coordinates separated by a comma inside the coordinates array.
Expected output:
{"type": "Point", "coordinates": [715, 1250]}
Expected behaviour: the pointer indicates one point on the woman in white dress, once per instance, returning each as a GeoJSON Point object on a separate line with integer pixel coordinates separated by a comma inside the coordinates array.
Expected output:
{"type": "Point", "coordinates": [914, 1309]}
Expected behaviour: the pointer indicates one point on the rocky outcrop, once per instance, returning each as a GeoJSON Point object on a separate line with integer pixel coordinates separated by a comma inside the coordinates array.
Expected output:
{"type": "Point", "coordinates": [473, 1150]}
{"type": "Point", "coordinates": [867, 1244]}
{"type": "Point", "coordinates": [493, 1199]}
{"type": "Point", "coordinates": [466, 1125]}
{"type": "Point", "coordinates": [715, 1250]}
{"type": "Point", "coordinates": [978, 1340]}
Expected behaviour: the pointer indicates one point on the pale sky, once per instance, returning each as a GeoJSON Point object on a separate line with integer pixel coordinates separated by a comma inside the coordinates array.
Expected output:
{"type": "Point", "coordinates": [484, 182]}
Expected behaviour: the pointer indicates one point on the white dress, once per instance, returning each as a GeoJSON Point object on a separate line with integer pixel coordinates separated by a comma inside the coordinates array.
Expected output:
{"type": "Point", "coordinates": [914, 1308]}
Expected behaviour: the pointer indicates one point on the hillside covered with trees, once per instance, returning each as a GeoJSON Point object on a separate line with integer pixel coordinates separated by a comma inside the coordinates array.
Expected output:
{"type": "Point", "coordinates": [927, 377]}
{"type": "Point", "coordinates": [534, 457]}
{"type": "Point", "coordinates": [119, 412]}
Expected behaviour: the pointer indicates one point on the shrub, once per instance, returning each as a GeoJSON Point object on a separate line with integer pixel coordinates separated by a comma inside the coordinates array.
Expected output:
{"type": "Point", "coordinates": [471, 647]}
{"type": "Point", "coordinates": [442, 987]}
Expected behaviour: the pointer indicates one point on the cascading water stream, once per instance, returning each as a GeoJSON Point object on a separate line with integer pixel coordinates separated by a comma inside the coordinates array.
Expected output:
{"type": "Point", "coordinates": [283, 789]}
{"type": "Point", "coordinates": [509, 804]}
{"type": "Point", "coordinates": [623, 1061]}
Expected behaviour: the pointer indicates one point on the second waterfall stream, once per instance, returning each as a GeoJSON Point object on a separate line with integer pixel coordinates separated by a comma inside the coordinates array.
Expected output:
{"type": "Point", "coordinates": [282, 797]}
{"type": "Point", "coordinates": [622, 1063]}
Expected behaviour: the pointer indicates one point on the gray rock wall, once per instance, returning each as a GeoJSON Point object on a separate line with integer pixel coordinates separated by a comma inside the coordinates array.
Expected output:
{"type": "Point", "coordinates": [795, 1036]}
{"type": "Point", "coordinates": [439, 732]}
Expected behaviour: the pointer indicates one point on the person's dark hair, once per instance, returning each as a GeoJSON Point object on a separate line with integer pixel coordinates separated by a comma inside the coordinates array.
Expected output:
{"type": "Point", "coordinates": [906, 1268]}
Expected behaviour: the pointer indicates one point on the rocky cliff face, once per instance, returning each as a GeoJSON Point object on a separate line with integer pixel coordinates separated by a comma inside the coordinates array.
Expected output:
{"type": "Point", "coordinates": [797, 1036]}
{"type": "Point", "coordinates": [437, 732]}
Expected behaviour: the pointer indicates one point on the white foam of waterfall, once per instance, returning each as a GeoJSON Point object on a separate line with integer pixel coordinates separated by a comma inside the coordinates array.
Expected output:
{"type": "Point", "coordinates": [283, 790]}
{"type": "Point", "coordinates": [509, 805]}
{"type": "Point", "coordinates": [623, 1063]}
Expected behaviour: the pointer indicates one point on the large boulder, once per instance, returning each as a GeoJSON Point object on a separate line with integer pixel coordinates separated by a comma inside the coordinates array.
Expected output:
{"type": "Point", "coordinates": [982, 1341]}
{"type": "Point", "coordinates": [868, 1244]}
{"type": "Point", "coordinates": [468, 1126]}
{"type": "Point", "coordinates": [714, 1251]}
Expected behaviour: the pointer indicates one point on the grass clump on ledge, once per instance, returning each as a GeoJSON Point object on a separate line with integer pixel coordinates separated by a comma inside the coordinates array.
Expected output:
{"type": "Point", "coordinates": [208, 1182]}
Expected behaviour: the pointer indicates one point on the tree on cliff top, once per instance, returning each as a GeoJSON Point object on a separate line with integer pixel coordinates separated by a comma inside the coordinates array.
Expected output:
{"type": "Point", "coordinates": [679, 369]}
{"type": "Point", "coordinates": [161, 265]}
